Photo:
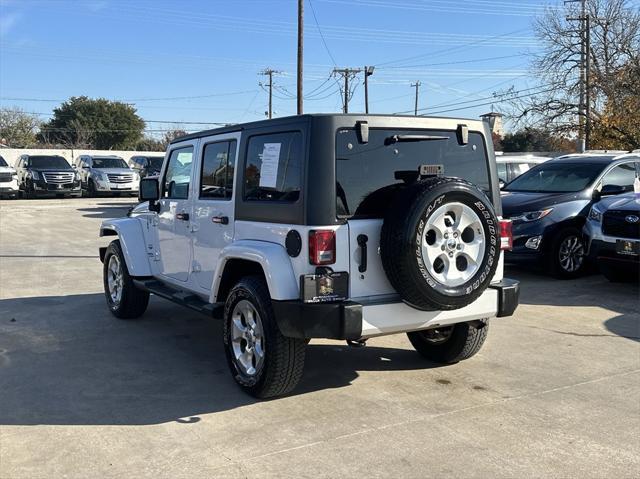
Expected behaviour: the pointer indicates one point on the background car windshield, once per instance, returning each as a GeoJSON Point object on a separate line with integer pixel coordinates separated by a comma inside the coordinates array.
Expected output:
{"type": "Point", "coordinates": [2, 162]}
{"type": "Point", "coordinates": [48, 162]}
{"type": "Point", "coordinates": [557, 177]}
{"type": "Point", "coordinates": [155, 163]}
{"type": "Point", "coordinates": [109, 163]}
{"type": "Point", "coordinates": [368, 175]}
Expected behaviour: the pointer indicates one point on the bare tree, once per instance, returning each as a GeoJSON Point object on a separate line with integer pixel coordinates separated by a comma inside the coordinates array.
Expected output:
{"type": "Point", "coordinates": [17, 128]}
{"type": "Point", "coordinates": [614, 60]}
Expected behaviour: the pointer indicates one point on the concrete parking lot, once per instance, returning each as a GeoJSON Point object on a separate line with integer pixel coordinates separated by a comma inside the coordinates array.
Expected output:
{"type": "Point", "coordinates": [554, 393]}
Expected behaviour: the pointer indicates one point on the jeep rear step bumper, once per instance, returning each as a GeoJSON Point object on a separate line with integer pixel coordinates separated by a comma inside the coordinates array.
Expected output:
{"type": "Point", "coordinates": [352, 320]}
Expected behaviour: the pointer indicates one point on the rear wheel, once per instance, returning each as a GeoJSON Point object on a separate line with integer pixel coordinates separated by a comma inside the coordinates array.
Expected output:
{"type": "Point", "coordinates": [263, 362]}
{"type": "Point", "coordinates": [450, 344]}
{"type": "Point", "coordinates": [124, 299]}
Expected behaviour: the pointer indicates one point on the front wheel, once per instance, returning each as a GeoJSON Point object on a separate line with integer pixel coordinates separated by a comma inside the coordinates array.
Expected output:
{"type": "Point", "coordinates": [567, 254]}
{"type": "Point", "coordinates": [450, 344]}
{"type": "Point", "coordinates": [263, 362]}
{"type": "Point", "coordinates": [124, 299]}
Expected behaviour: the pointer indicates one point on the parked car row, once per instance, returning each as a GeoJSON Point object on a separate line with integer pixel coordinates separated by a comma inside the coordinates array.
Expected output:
{"type": "Point", "coordinates": [90, 175]}
{"type": "Point", "coordinates": [567, 211]}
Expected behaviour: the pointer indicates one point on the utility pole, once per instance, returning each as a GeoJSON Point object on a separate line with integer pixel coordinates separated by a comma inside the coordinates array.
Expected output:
{"type": "Point", "coordinates": [269, 72]}
{"type": "Point", "coordinates": [346, 73]}
{"type": "Point", "coordinates": [300, 51]}
{"type": "Point", "coordinates": [417, 87]}
{"type": "Point", "coordinates": [584, 108]}
{"type": "Point", "coordinates": [587, 81]}
{"type": "Point", "coordinates": [368, 71]}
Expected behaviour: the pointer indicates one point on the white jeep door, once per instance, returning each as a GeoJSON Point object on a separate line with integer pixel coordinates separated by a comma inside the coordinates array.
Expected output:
{"type": "Point", "coordinates": [213, 205]}
{"type": "Point", "coordinates": [174, 225]}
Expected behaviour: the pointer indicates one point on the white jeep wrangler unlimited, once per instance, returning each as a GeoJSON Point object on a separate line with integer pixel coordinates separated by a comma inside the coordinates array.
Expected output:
{"type": "Point", "coordinates": [320, 226]}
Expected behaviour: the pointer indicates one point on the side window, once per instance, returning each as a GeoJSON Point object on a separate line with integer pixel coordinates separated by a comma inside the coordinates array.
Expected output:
{"type": "Point", "coordinates": [502, 171]}
{"type": "Point", "coordinates": [178, 174]}
{"type": "Point", "coordinates": [273, 167]}
{"type": "Point", "coordinates": [622, 175]}
{"type": "Point", "coordinates": [218, 165]}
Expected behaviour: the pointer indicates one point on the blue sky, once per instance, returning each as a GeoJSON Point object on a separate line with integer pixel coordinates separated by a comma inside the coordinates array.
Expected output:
{"type": "Point", "coordinates": [199, 60]}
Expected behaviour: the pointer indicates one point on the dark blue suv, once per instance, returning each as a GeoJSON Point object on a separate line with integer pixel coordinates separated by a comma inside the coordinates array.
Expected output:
{"type": "Point", "coordinates": [548, 206]}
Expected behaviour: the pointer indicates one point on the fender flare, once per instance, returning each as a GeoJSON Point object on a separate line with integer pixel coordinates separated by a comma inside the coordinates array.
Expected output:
{"type": "Point", "coordinates": [272, 258]}
{"type": "Point", "coordinates": [129, 232]}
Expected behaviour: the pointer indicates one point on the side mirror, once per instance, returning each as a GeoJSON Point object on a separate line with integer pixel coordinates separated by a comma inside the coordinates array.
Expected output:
{"type": "Point", "coordinates": [501, 183]}
{"type": "Point", "coordinates": [149, 191]}
{"type": "Point", "coordinates": [610, 190]}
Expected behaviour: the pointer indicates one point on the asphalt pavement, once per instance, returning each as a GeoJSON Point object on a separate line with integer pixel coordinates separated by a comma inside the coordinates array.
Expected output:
{"type": "Point", "coordinates": [555, 392]}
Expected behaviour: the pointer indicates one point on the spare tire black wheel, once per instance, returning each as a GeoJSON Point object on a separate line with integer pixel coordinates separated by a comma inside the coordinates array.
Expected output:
{"type": "Point", "coordinates": [440, 243]}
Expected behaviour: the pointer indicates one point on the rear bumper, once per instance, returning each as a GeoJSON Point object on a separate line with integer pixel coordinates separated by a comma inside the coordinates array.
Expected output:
{"type": "Point", "coordinates": [352, 320]}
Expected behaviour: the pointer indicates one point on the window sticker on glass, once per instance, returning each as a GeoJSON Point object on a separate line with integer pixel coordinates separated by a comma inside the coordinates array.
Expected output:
{"type": "Point", "coordinates": [270, 159]}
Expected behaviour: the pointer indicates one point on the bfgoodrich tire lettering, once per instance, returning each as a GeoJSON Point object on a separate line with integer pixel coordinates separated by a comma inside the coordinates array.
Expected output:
{"type": "Point", "coordinates": [413, 273]}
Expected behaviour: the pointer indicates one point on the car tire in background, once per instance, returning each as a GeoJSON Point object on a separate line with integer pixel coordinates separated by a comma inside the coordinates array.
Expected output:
{"type": "Point", "coordinates": [124, 299]}
{"type": "Point", "coordinates": [566, 255]}
{"type": "Point", "coordinates": [263, 362]}
{"type": "Point", "coordinates": [91, 189]}
{"type": "Point", "coordinates": [450, 344]}
{"type": "Point", "coordinates": [443, 250]}
{"type": "Point", "coordinates": [614, 274]}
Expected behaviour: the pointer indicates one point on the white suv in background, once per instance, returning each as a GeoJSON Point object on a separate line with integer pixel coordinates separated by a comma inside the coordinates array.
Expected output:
{"type": "Point", "coordinates": [8, 180]}
{"type": "Point", "coordinates": [106, 175]}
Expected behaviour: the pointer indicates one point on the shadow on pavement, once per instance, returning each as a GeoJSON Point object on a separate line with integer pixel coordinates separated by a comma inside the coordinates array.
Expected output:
{"type": "Point", "coordinates": [66, 360]}
{"type": "Point", "coordinates": [107, 211]}
{"type": "Point", "coordinates": [592, 290]}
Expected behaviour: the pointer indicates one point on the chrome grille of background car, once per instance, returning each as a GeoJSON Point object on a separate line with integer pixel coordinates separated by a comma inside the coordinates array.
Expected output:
{"type": "Point", "coordinates": [120, 178]}
{"type": "Point", "coordinates": [58, 178]}
{"type": "Point", "coordinates": [614, 223]}
{"type": "Point", "coordinates": [5, 177]}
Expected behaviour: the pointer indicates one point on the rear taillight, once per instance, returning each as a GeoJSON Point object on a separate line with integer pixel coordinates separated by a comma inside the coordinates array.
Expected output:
{"type": "Point", "coordinates": [506, 236]}
{"type": "Point", "coordinates": [322, 247]}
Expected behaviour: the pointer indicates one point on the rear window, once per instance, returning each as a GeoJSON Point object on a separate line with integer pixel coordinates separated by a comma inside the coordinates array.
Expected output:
{"type": "Point", "coordinates": [369, 175]}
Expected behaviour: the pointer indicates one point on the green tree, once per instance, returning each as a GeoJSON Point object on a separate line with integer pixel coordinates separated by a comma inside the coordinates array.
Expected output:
{"type": "Point", "coordinates": [17, 128]}
{"type": "Point", "coordinates": [102, 124]}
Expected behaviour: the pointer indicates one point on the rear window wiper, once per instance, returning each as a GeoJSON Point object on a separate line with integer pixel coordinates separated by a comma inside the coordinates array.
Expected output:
{"type": "Point", "coordinates": [390, 140]}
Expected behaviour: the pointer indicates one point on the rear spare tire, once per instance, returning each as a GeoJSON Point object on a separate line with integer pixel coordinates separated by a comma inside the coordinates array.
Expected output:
{"type": "Point", "coordinates": [440, 243]}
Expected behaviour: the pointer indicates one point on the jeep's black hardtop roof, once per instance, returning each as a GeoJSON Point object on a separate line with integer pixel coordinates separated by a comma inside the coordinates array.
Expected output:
{"type": "Point", "coordinates": [275, 122]}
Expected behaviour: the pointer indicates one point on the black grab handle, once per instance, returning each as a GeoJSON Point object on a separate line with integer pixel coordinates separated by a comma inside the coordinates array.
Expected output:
{"type": "Point", "coordinates": [362, 242]}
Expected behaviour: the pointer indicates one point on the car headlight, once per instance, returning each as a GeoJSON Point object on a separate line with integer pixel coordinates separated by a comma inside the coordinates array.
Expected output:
{"type": "Point", "coordinates": [98, 175]}
{"type": "Point", "coordinates": [595, 214]}
{"type": "Point", "coordinates": [76, 176]}
{"type": "Point", "coordinates": [532, 215]}
{"type": "Point", "coordinates": [34, 175]}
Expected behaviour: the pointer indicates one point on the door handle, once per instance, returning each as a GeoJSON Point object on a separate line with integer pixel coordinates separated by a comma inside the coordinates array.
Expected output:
{"type": "Point", "coordinates": [362, 242]}
{"type": "Point", "coordinates": [221, 220]}
{"type": "Point", "coordinates": [182, 216]}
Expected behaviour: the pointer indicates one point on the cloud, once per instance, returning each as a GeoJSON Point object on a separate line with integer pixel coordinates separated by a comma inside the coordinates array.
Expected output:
{"type": "Point", "coordinates": [8, 21]}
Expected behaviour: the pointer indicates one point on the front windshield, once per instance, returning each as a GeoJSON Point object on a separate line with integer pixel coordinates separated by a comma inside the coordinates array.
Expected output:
{"type": "Point", "coordinates": [2, 162]}
{"type": "Point", "coordinates": [557, 177]}
{"type": "Point", "coordinates": [109, 163]}
{"type": "Point", "coordinates": [155, 163]}
{"type": "Point", "coordinates": [48, 162]}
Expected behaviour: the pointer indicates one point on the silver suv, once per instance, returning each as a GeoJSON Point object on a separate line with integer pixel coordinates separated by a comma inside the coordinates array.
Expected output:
{"type": "Point", "coordinates": [106, 175]}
